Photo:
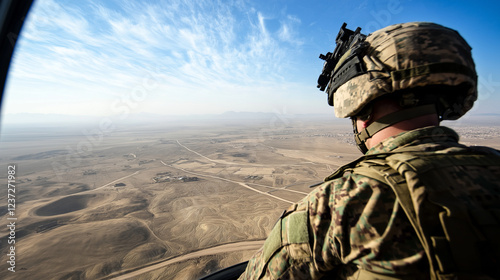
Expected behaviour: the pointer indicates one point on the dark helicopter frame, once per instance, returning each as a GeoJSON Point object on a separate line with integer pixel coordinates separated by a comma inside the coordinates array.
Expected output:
{"type": "Point", "coordinates": [12, 16]}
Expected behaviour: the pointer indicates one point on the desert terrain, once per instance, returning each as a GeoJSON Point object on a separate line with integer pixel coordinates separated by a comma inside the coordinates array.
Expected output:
{"type": "Point", "coordinates": [176, 200]}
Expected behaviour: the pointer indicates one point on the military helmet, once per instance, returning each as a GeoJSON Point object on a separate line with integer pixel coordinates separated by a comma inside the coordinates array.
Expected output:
{"type": "Point", "coordinates": [399, 58]}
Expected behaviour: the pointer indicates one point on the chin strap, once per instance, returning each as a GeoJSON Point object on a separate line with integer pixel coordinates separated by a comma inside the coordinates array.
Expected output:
{"type": "Point", "coordinates": [389, 120]}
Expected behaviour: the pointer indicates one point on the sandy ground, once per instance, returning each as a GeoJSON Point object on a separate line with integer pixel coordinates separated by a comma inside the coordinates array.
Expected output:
{"type": "Point", "coordinates": [162, 203]}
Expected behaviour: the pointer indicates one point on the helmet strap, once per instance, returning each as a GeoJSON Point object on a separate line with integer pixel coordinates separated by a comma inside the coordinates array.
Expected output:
{"type": "Point", "coordinates": [387, 121]}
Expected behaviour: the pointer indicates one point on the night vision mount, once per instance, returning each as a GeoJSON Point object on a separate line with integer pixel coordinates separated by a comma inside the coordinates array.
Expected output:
{"type": "Point", "coordinates": [344, 63]}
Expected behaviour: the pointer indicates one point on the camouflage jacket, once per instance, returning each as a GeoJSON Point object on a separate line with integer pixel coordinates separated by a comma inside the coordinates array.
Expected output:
{"type": "Point", "coordinates": [353, 222]}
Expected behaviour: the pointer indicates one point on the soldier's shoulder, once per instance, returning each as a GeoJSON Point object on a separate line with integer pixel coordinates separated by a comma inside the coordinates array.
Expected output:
{"type": "Point", "coordinates": [349, 179]}
{"type": "Point", "coordinates": [485, 150]}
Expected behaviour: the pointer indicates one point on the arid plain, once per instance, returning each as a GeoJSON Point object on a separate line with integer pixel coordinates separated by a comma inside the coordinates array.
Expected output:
{"type": "Point", "coordinates": [171, 201]}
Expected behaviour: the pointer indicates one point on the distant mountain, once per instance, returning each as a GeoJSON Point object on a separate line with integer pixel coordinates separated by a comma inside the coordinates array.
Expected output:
{"type": "Point", "coordinates": [50, 120]}
{"type": "Point", "coordinates": [47, 119]}
{"type": "Point", "coordinates": [58, 119]}
{"type": "Point", "coordinates": [245, 115]}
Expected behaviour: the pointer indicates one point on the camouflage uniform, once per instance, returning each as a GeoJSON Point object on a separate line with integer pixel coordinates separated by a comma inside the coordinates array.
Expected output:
{"type": "Point", "coordinates": [355, 222]}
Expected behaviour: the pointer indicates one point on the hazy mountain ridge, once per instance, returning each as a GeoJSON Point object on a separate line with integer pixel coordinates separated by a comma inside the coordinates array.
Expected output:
{"type": "Point", "coordinates": [58, 119]}
{"type": "Point", "coordinates": [48, 119]}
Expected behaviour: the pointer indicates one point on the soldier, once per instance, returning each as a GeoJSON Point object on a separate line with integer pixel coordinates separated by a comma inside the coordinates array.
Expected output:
{"type": "Point", "coordinates": [417, 205]}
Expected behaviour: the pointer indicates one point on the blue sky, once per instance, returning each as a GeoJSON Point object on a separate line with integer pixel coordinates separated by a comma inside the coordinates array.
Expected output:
{"type": "Point", "coordinates": [108, 58]}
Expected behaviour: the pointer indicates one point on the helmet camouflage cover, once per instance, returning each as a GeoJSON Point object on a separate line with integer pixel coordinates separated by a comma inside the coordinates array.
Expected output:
{"type": "Point", "coordinates": [407, 56]}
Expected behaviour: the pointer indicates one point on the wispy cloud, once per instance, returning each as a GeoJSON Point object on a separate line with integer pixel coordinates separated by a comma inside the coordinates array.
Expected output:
{"type": "Point", "coordinates": [204, 54]}
{"type": "Point", "coordinates": [287, 31]}
{"type": "Point", "coordinates": [103, 48]}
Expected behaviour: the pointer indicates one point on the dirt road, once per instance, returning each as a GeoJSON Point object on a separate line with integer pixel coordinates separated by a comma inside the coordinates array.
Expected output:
{"type": "Point", "coordinates": [231, 247]}
{"type": "Point", "coordinates": [229, 180]}
{"type": "Point", "coordinates": [119, 179]}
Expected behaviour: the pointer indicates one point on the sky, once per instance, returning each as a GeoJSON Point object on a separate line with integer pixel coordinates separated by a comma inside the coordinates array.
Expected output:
{"type": "Point", "coordinates": [183, 57]}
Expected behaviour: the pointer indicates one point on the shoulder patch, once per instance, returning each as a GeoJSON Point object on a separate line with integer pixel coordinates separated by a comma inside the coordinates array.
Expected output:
{"type": "Point", "coordinates": [292, 229]}
{"type": "Point", "coordinates": [297, 228]}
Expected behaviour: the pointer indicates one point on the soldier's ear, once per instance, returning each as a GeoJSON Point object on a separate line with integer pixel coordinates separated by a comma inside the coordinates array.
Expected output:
{"type": "Point", "coordinates": [365, 120]}
{"type": "Point", "coordinates": [363, 123]}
